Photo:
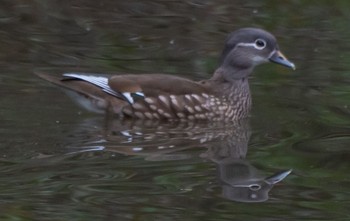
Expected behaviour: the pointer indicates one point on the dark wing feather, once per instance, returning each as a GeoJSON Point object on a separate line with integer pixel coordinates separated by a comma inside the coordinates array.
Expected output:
{"type": "Point", "coordinates": [153, 85]}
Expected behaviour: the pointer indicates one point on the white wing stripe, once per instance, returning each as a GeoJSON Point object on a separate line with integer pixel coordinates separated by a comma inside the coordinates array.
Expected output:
{"type": "Point", "coordinates": [102, 82]}
{"type": "Point", "coordinates": [127, 95]}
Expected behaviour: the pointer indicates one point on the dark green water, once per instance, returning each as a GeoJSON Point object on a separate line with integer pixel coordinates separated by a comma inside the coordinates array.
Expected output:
{"type": "Point", "coordinates": [58, 162]}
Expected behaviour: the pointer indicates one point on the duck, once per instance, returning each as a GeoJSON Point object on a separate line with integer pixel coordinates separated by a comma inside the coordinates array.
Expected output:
{"type": "Point", "coordinates": [225, 96]}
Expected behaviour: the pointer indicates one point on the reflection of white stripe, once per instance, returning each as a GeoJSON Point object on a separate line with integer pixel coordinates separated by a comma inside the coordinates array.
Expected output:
{"type": "Point", "coordinates": [88, 149]}
{"type": "Point", "coordinates": [125, 133]}
{"type": "Point", "coordinates": [137, 149]}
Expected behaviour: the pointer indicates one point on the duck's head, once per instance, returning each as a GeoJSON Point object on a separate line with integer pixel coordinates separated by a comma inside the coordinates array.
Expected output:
{"type": "Point", "coordinates": [248, 47]}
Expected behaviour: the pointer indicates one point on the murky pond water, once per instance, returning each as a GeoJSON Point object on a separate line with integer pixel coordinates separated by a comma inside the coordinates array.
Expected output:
{"type": "Point", "coordinates": [59, 162]}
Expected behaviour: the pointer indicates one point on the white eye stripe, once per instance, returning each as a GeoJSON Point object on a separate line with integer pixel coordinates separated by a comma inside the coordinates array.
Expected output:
{"type": "Point", "coordinates": [253, 45]}
{"type": "Point", "coordinates": [247, 44]}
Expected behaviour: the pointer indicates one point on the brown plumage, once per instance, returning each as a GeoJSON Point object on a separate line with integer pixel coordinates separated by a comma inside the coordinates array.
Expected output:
{"type": "Point", "coordinates": [225, 96]}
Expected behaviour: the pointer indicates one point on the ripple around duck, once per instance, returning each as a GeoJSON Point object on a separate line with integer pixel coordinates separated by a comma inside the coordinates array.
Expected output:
{"type": "Point", "coordinates": [95, 175]}
{"type": "Point", "coordinates": [146, 184]}
{"type": "Point", "coordinates": [124, 193]}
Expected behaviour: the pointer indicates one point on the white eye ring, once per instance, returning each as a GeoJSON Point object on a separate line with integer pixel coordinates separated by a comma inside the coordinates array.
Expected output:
{"type": "Point", "coordinates": [260, 44]}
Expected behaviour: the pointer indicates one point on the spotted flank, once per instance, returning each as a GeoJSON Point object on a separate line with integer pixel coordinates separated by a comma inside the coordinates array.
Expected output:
{"type": "Point", "coordinates": [190, 106]}
{"type": "Point", "coordinates": [182, 107]}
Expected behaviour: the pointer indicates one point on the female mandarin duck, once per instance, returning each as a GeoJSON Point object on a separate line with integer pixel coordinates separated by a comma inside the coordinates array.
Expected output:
{"type": "Point", "coordinates": [223, 97]}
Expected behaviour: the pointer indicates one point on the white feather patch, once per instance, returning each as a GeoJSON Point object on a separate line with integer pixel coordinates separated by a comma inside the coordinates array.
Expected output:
{"type": "Point", "coordinates": [99, 81]}
{"type": "Point", "coordinates": [140, 94]}
{"type": "Point", "coordinates": [127, 95]}
{"type": "Point", "coordinates": [102, 82]}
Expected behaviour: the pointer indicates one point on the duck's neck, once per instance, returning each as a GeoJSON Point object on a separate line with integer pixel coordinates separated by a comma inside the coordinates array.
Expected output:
{"type": "Point", "coordinates": [231, 74]}
{"type": "Point", "coordinates": [234, 90]}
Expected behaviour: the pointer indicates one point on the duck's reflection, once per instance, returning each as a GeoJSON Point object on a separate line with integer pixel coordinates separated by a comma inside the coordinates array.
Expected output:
{"type": "Point", "coordinates": [242, 182]}
{"type": "Point", "coordinates": [225, 144]}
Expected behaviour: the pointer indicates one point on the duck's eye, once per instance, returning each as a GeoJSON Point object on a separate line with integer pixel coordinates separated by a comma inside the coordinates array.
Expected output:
{"type": "Point", "coordinates": [260, 44]}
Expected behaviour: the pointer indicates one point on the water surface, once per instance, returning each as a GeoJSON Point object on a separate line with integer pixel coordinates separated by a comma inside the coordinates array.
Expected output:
{"type": "Point", "coordinates": [59, 162]}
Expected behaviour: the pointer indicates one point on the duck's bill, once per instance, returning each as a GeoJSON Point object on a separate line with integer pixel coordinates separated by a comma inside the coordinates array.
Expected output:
{"type": "Point", "coordinates": [278, 58]}
{"type": "Point", "coordinates": [278, 177]}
